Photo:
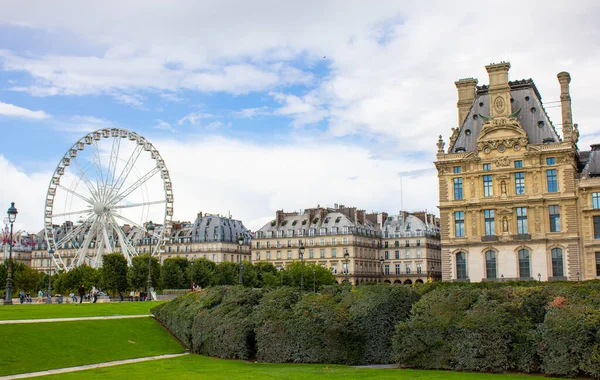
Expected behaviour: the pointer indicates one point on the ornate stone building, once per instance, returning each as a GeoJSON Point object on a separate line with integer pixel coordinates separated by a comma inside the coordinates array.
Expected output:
{"type": "Point", "coordinates": [401, 249]}
{"type": "Point", "coordinates": [410, 248]}
{"type": "Point", "coordinates": [512, 203]}
{"type": "Point", "coordinates": [210, 236]}
{"type": "Point", "coordinates": [326, 235]}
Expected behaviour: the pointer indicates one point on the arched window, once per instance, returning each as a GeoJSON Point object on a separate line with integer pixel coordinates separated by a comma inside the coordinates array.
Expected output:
{"type": "Point", "coordinates": [461, 266]}
{"type": "Point", "coordinates": [557, 262]}
{"type": "Point", "coordinates": [490, 264]}
{"type": "Point", "coordinates": [524, 267]}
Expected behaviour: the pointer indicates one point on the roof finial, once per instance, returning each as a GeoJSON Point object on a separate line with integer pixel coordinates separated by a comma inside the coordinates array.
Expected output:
{"type": "Point", "coordinates": [440, 144]}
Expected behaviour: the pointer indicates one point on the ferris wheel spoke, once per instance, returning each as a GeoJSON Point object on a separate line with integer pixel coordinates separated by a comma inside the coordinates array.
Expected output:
{"type": "Point", "coordinates": [112, 164]}
{"type": "Point", "coordinates": [73, 233]}
{"type": "Point", "coordinates": [131, 222]}
{"type": "Point", "coordinates": [83, 177]}
{"type": "Point", "coordinates": [126, 247]}
{"type": "Point", "coordinates": [98, 165]}
{"type": "Point", "coordinates": [80, 212]}
{"type": "Point", "coordinates": [75, 194]}
{"type": "Point", "coordinates": [139, 204]}
{"type": "Point", "coordinates": [118, 198]}
{"type": "Point", "coordinates": [86, 242]}
{"type": "Point", "coordinates": [106, 239]}
{"type": "Point", "coordinates": [127, 169]}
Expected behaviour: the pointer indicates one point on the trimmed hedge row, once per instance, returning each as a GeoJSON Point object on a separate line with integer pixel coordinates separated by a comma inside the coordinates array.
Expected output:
{"type": "Point", "coordinates": [341, 325]}
{"type": "Point", "coordinates": [548, 328]}
{"type": "Point", "coordinates": [552, 328]}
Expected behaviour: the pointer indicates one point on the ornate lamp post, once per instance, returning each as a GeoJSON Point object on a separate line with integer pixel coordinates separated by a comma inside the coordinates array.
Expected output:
{"type": "Point", "coordinates": [50, 254]}
{"type": "Point", "coordinates": [301, 256]}
{"type": "Point", "coordinates": [12, 216]}
{"type": "Point", "coordinates": [150, 231]}
{"type": "Point", "coordinates": [381, 261]}
{"type": "Point", "coordinates": [240, 244]}
{"type": "Point", "coordinates": [347, 258]}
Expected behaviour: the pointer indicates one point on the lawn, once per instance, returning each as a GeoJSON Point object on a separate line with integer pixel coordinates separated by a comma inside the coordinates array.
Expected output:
{"type": "Point", "coordinates": [40, 346]}
{"type": "Point", "coordinates": [201, 367]}
{"type": "Point", "coordinates": [43, 311]}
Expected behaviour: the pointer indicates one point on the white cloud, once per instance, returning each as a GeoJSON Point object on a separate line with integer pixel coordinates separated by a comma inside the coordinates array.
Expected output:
{"type": "Point", "coordinates": [249, 113]}
{"type": "Point", "coordinates": [11, 110]}
{"type": "Point", "coordinates": [193, 118]}
{"type": "Point", "coordinates": [169, 97]}
{"type": "Point", "coordinates": [164, 126]}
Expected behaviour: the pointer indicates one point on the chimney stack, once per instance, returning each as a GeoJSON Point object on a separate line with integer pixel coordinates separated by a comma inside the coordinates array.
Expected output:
{"type": "Point", "coordinates": [466, 96]}
{"type": "Point", "coordinates": [565, 104]}
{"type": "Point", "coordinates": [499, 89]}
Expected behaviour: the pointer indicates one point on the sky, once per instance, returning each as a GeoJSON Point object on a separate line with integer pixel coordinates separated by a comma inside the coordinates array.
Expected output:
{"type": "Point", "coordinates": [267, 105]}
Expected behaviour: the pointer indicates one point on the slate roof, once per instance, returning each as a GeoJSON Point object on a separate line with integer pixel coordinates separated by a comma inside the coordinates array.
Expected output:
{"type": "Point", "coordinates": [590, 162]}
{"type": "Point", "coordinates": [532, 116]}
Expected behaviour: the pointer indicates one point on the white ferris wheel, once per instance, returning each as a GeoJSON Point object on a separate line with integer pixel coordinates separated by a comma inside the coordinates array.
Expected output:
{"type": "Point", "coordinates": [103, 191]}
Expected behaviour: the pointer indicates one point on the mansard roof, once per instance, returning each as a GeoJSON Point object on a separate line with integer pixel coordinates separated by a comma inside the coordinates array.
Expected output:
{"type": "Point", "coordinates": [589, 162]}
{"type": "Point", "coordinates": [525, 99]}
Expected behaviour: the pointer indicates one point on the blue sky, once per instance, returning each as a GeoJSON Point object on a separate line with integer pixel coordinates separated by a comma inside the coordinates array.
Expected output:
{"type": "Point", "coordinates": [263, 106]}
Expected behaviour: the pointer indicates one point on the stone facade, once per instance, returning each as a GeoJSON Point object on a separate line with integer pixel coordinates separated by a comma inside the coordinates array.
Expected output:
{"type": "Point", "coordinates": [513, 201]}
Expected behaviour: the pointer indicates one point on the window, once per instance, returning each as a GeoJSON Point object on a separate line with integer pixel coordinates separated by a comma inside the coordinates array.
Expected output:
{"type": "Point", "coordinates": [418, 243]}
{"type": "Point", "coordinates": [289, 254]}
{"type": "Point", "coordinates": [278, 244]}
{"type": "Point", "coordinates": [398, 268]}
{"type": "Point", "coordinates": [490, 264]}
{"type": "Point", "coordinates": [407, 268]}
{"type": "Point", "coordinates": [289, 243]}
{"type": "Point", "coordinates": [311, 253]}
{"type": "Point", "coordinates": [487, 167]}
{"type": "Point", "coordinates": [387, 255]}
{"type": "Point", "coordinates": [519, 183]}
{"type": "Point", "coordinates": [322, 242]}
{"type": "Point", "coordinates": [551, 180]}
{"type": "Point", "coordinates": [333, 241]}
{"type": "Point", "coordinates": [419, 269]}
{"type": "Point", "coordinates": [268, 244]}
{"type": "Point", "coordinates": [397, 255]}
{"type": "Point", "coordinates": [322, 253]}
{"type": "Point", "coordinates": [557, 262]}
{"type": "Point", "coordinates": [257, 257]}
{"type": "Point", "coordinates": [596, 227]}
{"type": "Point", "coordinates": [487, 186]}
{"type": "Point", "coordinates": [459, 223]}
{"type": "Point", "coordinates": [518, 164]}
{"type": "Point", "coordinates": [524, 271]}
{"type": "Point", "coordinates": [488, 216]}
{"type": "Point", "coordinates": [345, 267]}
{"type": "Point", "coordinates": [522, 220]}
{"type": "Point", "coordinates": [268, 254]}
{"type": "Point", "coordinates": [457, 169]}
{"type": "Point", "coordinates": [333, 252]}
{"type": "Point", "coordinates": [311, 242]}
{"type": "Point", "coordinates": [257, 244]}
{"type": "Point", "coordinates": [597, 264]}
{"type": "Point", "coordinates": [596, 200]}
{"type": "Point", "coordinates": [387, 269]}
{"type": "Point", "coordinates": [458, 188]}
{"type": "Point", "coordinates": [278, 255]}
{"type": "Point", "coordinates": [407, 243]}
{"type": "Point", "coordinates": [554, 212]}
{"type": "Point", "coordinates": [550, 161]}
{"type": "Point", "coordinates": [407, 254]}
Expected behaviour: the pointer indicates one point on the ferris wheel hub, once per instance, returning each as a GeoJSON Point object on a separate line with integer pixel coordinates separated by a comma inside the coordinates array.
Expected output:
{"type": "Point", "coordinates": [100, 208]}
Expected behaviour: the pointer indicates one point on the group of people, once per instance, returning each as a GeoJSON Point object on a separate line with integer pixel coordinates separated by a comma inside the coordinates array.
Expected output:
{"type": "Point", "coordinates": [24, 297]}
{"type": "Point", "coordinates": [137, 296]}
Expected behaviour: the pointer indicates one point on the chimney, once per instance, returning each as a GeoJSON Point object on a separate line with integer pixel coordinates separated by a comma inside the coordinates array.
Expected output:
{"type": "Point", "coordinates": [565, 104]}
{"type": "Point", "coordinates": [279, 216]}
{"type": "Point", "coordinates": [499, 89]}
{"type": "Point", "coordinates": [466, 96]}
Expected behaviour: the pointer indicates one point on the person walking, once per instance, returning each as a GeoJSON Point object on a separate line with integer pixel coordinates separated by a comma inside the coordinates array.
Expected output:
{"type": "Point", "coordinates": [95, 293]}
{"type": "Point", "coordinates": [40, 296]}
{"type": "Point", "coordinates": [81, 293]}
{"type": "Point", "coordinates": [21, 296]}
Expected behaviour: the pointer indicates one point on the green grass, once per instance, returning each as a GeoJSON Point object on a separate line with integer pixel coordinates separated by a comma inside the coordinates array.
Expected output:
{"type": "Point", "coordinates": [201, 367]}
{"type": "Point", "coordinates": [40, 346]}
{"type": "Point", "coordinates": [43, 311]}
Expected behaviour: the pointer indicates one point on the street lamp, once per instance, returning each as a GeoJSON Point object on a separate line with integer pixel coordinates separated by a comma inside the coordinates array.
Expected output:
{"type": "Point", "coordinates": [431, 272]}
{"type": "Point", "coordinates": [539, 277]}
{"type": "Point", "coordinates": [50, 254]}
{"type": "Point", "coordinates": [301, 256]}
{"type": "Point", "coordinates": [381, 263]}
{"type": "Point", "coordinates": [150, 230]}
{"type": "Point", "coordinates": [240, 243]}
{"type": "Point", "coordinates": [12, 216]}
{"type": "Point", "coordinates": [347, 258]}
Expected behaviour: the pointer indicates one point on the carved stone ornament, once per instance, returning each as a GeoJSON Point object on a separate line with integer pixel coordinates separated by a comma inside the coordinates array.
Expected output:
{"type": "Point", "coordinates": [567, 159]}
{"type": "Point", "coordinates": [538, 221]}
{"type": "Point", "coordinates": [472, 186]}
{"type": "Point", "coordinates": [502, 162]}
{"type": "Point", "coordinates": [473, 223]}
{"type": "Point", "coordinates": [505, 211]}
{"type": "Point", "coordinates": [505, 224]}
{"type": "Point", "coordinates": [440, 145]}
{"type": "Point", "coordinates": [442, 170]}
{"type": "Point", "coordinates": [487, 143]}
{"type": "Point", "coordinates": [499, 104]}
{"type": "Point", "coordinates": [535, 182]}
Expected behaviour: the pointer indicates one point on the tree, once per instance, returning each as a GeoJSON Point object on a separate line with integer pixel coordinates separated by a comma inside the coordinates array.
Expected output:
{"type": "Point", "coordinates": [172, 274]}
{"type": "Point", "coordinates": [266, 274]}
{"type": "Point", "coordinates": [320, 277]}
{"type": "Point", "coordinates": [137, 273]}
{"type": "Point", "coordinates": [114, 272]}
{"type": "Point", "coordinates": [26, 279]}
{"type": "Point", "coordinates": [226, 273]}
{"type": "Point", "coordinates": [201, 272]}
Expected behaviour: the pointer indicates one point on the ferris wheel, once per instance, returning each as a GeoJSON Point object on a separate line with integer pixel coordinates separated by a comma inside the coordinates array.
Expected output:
{"type": "Point", "coordinates": [102, 193]}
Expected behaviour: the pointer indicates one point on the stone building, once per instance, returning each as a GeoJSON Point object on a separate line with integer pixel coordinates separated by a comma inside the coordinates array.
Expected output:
{"type": "Point", "coordinates": [516, 199]}
{"type": "Point", "coordinates": [410, 248]}
{"type": "Point", "coordinates": [326, 235]}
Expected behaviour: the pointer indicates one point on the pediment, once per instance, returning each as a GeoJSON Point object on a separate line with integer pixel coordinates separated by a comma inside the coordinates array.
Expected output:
{"type": "Point", "coordinates": [500, 133]}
